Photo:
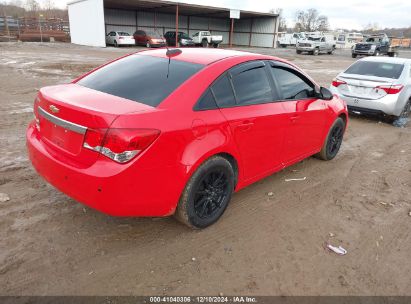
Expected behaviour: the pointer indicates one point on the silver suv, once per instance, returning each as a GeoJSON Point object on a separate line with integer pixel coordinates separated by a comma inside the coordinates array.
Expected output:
{"type": "Point", "coordinates": [376, 85]}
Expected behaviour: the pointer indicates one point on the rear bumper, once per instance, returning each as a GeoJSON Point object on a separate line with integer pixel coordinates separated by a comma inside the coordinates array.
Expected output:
{"type": "Point", "coordinates": [158, 44]}
{"type": "Point", "coordinates": [187, 44]}
{"type": "Point", "coordinates": [114, 189]}
{"type": "Point", "coordinates": [387, 105]}
{"type": "Point", "coordinates": [126, 42]}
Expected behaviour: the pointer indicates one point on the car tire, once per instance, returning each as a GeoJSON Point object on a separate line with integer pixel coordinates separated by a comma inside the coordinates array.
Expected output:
{"type": "Point", "coordinates": [298, 52]}
{"type": "Point", "coordinates": [377, 53]}
{"type": "Point", "coordinates": [331, 52]}
{"type": "Point", "coordinates": [403, 118]}
{"type": "Point", "coordinates": [354, 55]}
{"type": "Point", "coordinates": [215, 46]}
{"type": "Point", "coordinates": [148, 45]}
{"type": "Point", "coordinates": [115, 44]}
{"type": "Point", "coordinates": [204, 43]}
{"type": "Point", "coordinates": [333, 140]}
{"type": "Point", "coordinates": [207, 194]}
{"type": "Point", "coordinates": [316, 52]}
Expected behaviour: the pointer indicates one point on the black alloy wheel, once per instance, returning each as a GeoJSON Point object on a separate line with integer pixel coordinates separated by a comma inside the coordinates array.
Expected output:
{"type": "Point", "coordinates": [333, 141]}
{"type": "Point", "coordinates": [207, 193]}
{"type": "Point", "coordinates": [211, 194]}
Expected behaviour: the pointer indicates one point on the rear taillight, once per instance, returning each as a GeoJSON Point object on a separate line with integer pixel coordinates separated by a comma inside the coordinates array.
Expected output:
{"type": "Point", "coordinates": [121, 145]}
{"type": "Point", "coordinates": [337, 82]}
{"type": "Point", "coordinates": [390, 89]}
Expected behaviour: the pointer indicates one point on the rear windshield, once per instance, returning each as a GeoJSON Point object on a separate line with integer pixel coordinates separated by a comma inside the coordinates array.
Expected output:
{"type": "Point", "coordinates": [378, 69]}
{"type": "Point", "coordinates": [123, 34]}
{"type": "Point", "coordinates": [141, 78]}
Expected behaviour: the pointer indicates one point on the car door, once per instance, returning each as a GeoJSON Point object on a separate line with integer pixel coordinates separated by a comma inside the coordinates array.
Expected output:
{"type": "Point", "coordinates": [246, 98]}
{"type": "Point", "coordinates": [306, 113]}
{"type": "Point", "coordinates": [385, 44]}
{"type": "Point", "coordinates": [323, 45]}
{"type": "Point", "coordinates": [109, 39]}
{"type": "Point", "coordinates": [136, 36]}
{"type": "Point", "coordinates": [142, 38]}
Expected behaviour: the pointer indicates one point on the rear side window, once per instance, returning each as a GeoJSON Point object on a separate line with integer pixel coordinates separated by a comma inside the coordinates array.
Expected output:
{"type": "Point", "coordinates": [223, 92]}
{"type": "Point", "coordinates": [377, 69]}
{"type": "Point", "coordinates": [206, 102]}
{"type": "Point", "coordinates": [141, 78]}
{"type": "Point", "coordinates": [252, 86]}
{"type": "Point", "coordinates": [291, 85]}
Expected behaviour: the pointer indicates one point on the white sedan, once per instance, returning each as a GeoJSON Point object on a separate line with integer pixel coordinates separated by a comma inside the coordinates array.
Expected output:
{"type": "Point", "coordinates": [376, 85]}
{"type": "Point", "coordinates": [119, 38]}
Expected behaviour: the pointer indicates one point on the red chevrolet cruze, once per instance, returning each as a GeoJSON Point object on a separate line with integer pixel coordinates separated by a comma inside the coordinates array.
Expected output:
{"type": "Point", "coordinates": [158, 133]}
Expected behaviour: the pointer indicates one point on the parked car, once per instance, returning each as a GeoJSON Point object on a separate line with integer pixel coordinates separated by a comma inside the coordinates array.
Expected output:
{"type": "Point", "coordinates": [149, 39]}
{"type": "Point", "coordinates": [315, 45]}
{"type": "Point", "coordinates": [183, 39]}
{"type": "Point", "coordinates": [205, 39]}
{"type": "Point", "coordinates": [153, 134]}
{"type": "Point", "coordinates": [375, 45]}
{"type": "Point", "coordinates": [376, 86]}
{"type": "Point", "coordinates": [119, 39]}
{"type": "Point", "coordinates": [289, 39]}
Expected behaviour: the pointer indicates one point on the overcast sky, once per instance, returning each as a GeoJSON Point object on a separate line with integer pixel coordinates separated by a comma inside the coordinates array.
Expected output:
{"type": "Point", "coordinates": [351, 14]}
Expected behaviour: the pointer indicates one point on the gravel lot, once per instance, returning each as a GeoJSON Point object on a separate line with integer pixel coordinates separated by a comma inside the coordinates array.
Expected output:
{"type": "Point", "coordinates": [263, 245]}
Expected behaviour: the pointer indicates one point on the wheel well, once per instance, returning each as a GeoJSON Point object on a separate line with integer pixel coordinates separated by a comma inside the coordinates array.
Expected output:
{"type": "Point", "coordinates": [233, 163]}
{"type": "Point", "coordinates": [344, 118]}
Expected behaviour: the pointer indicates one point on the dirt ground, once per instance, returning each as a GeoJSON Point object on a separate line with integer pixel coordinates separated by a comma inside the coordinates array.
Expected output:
{"type": "Point", "coordinates": [263, 245]}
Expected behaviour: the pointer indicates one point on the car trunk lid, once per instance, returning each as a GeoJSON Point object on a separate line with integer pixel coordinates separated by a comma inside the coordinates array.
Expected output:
{"type": "Point", "coordinates": [365, 87]}
{"type": "Point", "coordinates": [66, 112]}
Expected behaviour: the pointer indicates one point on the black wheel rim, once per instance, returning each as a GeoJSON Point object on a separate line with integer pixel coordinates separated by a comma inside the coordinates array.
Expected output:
{"type": "Point", "coordinates": [335, 140]}
{"type": "Point", "coordinates": [211, 194]}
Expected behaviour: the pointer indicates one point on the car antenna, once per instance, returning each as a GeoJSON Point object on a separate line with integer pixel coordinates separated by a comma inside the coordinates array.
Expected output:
{"type": "Point", "coordinates": [169, 53]}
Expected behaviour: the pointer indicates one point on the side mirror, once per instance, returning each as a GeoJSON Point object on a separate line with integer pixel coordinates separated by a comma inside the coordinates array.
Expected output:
{"type": "Point", "coordinates": [326, 94]}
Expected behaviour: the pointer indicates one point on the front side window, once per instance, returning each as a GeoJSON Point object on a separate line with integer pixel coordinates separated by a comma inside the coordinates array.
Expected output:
{"type": "Point", "coordinates": [291, 85]}
{"type": "Point", "coordinates": [142, 78]}
{"type": "Point", "coordinates": [252, 86]}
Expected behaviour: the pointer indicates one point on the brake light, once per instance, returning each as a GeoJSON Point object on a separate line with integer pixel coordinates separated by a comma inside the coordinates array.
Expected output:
{"type": "Point", "coordinates": [337, 82]}
{"type": "Point", "coordinates": [120, 145]}
{"type": "Point", "coordinates": [391, 89]}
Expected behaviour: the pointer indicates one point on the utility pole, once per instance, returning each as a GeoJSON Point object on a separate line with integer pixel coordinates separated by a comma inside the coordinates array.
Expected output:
{"type": "Point", "coordinates": [6, 24]}
{"type": "Point", "coordinates": [41, 32]}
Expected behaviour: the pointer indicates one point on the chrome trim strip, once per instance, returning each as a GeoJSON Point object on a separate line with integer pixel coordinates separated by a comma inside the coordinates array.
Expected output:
{"type": "Point", "coordinates": [62, 123]}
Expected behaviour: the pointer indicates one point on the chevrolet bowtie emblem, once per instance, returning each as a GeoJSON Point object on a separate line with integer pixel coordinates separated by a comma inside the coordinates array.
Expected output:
{"type": "Point", "coordinates": [54, 109]}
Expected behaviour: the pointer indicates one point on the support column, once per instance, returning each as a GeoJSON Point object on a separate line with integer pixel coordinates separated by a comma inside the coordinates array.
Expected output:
{"type": "Point", "coordinates": [231, 32]}
{"type": "Point", "coordinates": [251, 32]}
{"type": "Point", "coordinates": [177, 25]}
{"type": "Point", "coordinates": [277, 23]}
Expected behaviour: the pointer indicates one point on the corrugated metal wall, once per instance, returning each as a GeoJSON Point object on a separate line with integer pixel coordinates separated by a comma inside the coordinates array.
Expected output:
{"type": "Point", "coordinates": [259, 32]}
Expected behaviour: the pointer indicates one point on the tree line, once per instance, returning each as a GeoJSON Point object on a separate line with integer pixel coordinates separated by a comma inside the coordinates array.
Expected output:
{"type": "Point", "coordinates": [31, 9]}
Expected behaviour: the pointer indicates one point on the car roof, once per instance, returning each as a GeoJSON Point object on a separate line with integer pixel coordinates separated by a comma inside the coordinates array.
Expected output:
{"type": "Point", "coordinates": [396, 60]}
{"type": "Point", "coordinates": [204, 56]}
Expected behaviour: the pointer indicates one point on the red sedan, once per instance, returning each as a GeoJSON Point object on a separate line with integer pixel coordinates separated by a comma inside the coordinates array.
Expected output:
{"type": "Point", "coordinates": [158, 133]}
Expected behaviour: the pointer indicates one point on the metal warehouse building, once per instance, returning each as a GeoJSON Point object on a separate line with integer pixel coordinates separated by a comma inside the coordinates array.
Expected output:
{"type": "Point", "coordinates": [90, 20]}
